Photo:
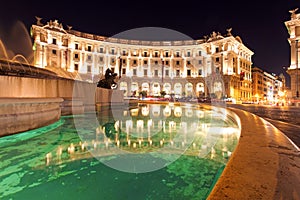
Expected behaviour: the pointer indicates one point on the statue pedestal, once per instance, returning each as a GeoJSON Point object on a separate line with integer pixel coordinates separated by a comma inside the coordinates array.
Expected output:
{"type": "Point", "coordinates": [105, 98]}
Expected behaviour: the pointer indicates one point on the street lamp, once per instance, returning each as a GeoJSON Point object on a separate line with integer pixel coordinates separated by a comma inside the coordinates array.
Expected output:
{"type": "Point", "coordinates": [297, 91]}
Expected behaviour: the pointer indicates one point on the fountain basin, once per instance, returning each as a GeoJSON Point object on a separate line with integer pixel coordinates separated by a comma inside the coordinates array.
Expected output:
{"type": "Point", "coordinates": [19, 115]}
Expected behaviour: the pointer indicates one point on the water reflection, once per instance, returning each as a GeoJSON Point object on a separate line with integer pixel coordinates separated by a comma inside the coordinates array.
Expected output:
{"type": "Point", "coordinates": [161, 129]}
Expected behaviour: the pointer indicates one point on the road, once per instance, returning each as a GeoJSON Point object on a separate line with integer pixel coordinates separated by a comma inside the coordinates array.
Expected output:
{"type": "Point", "coordinates": [286, 119]}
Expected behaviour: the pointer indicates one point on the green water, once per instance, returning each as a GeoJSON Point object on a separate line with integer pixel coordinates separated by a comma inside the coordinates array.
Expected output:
{"type": "Point", "coordinates": [25, 172]}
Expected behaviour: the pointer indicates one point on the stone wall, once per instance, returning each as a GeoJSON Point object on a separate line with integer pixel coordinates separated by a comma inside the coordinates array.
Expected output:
{"type": "Point", "coordinates": [28, 103]}
{"type": "Point", "coordinates": [22, 114]}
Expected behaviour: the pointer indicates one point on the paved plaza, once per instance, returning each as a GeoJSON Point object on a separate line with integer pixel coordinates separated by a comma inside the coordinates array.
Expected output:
{"type": "Point", "coordinates": [285, 118]}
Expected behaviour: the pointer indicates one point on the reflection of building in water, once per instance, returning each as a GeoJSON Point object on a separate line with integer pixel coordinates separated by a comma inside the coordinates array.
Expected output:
{"type": "Point", "coordinates": [183, 68]}
{"type": "Point", "coordinates": [152, 128]}
{"type": "Point", "coordinates": [167, 123]}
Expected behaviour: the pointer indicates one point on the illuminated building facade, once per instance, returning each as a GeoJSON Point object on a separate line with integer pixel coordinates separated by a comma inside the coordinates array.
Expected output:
{"type": "Point", "coordinates": [293, 27]}
{"type": "Point", "coordinates": [266, 87]}
{"type": "Point", "coordinates": [219, 65]}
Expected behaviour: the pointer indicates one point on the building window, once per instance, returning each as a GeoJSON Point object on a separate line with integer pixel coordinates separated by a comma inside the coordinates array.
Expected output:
{"type": "Point", "coordinates": [217, 49]}
{"type": "Point", "coordinates": [177, 54]}
{"type": "Point", "coordinates": [217, 59]}
{"type": "Point", "coordinates": [89, 57]}
{"type": "Point", "coordinates": [124, 61]}
{"type": "Point", "coordinates": [145, 54]}
{"type": "Point", "coordinates": [167, 62]}
{"type": "Point", "coordinates": [200, 72]}
{"type": "Point", "coordinates": [101, 50]}
{"type": "Point", "coordinates": [89, 48]}
{"type": "Point", "coordinates": [167, 54]}
{"type": "Point", "coordinates": [53, 41]}
{"type": "Point", "coordinates": [124, 71]}
{"type": "Point", "coordinates": [156, 72]}
{"type": "Point", "coordinates": [101, 59]}
{"type": "Point", "coordinates": [76, 67]}
{"type": "Point", "coordinates": [177, 62]}
{"type": "Point", "coordinates": [113, 70]}
{"type": "Point", "coordinates": [134, 72]}
{"type": "Point", "coordinates": [134, 62]}
{"type": "Point", "coordinates": [167, 72]}
{"type": "Point", "coordinates": [188, 72]}
{"type": "Point", "coordinates": [76, 55]}
{"type": "Point", "coordinates": [145, 62]}
{"type": "Point", "coordinates": [200, 62]}
{"type": "Point", "coordinates": [188, 54]}
{"type": "Point", "coordinates": [89, 68]}
{"type": "Point", "coordinates": [156, 62]}
{"type": "Point", "coordinates": [113, 60]}
{"type": "Point", "coordinates": [217, 70]}
{"type": "Point", "coordinates": [124, 53]}
{"type": "Point", "coordinates": [177, 72]}
{"type": "Point", "coordinates": [113, 51]}
{"type": "Point", "coordinates": [76, 46]}
{"type": "Point", "coordinates": [54, 51]}
{"type": "Point", "coordinates": [188, 62]}
{"type": "Point", "coordinates": [145, 72]}
{"type": "Point", "coordinates": [199, 53]}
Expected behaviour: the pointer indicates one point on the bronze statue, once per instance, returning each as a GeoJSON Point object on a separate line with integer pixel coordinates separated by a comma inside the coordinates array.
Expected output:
{"type": "Point", "coordinates": [109, 80]}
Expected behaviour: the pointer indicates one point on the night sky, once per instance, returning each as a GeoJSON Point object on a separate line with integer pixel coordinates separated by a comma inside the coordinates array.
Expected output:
{"type": "Point", "coordinates": [259, 24]}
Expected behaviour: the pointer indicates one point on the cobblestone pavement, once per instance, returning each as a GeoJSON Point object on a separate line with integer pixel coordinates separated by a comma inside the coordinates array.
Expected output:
{"type": "Point", "coordinates": [286, 119]}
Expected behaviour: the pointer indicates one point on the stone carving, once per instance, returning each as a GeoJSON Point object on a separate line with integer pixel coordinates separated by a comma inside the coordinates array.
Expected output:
{"type": "Point", "coordinates": [109, 81]}
{"type": "Point", "coordinates": [229, 31]}
{"type": "Point", "coordinates": [38, 21]}
{"type": "Point", "coordinates": [293, 13]}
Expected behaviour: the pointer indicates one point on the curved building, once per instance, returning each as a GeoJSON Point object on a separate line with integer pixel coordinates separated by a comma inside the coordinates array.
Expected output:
{"type": "Point", "coordinates": [218, 65]}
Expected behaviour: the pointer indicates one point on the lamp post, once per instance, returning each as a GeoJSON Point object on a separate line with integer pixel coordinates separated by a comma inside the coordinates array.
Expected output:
{"type": "Point", "coordinates": [162, 74]}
